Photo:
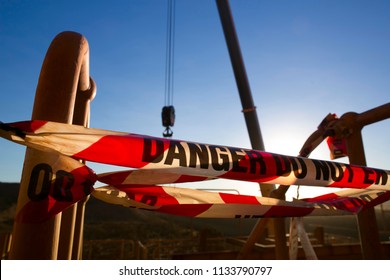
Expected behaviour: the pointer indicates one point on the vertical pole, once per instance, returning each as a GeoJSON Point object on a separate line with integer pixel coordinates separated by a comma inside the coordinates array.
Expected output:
{"type": "Point", "coordinates": [81, 117]}
{"type": "Point", "coordinates": [77, 251]}
{"type": "Point", "coordinates": [67, 228]}
{"type": "Point", "coordinates": [54, 101]}
{"type": "Point", "coordinates": [367, 224]}
{"type": "Point", "coordinates": [250, 115]}
{"type": "Point", "coordinates": [71, 217]}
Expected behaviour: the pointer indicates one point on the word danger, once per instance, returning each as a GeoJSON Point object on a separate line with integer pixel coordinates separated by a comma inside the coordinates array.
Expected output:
{"type": "Point", "coordinates": [218, 158]}
{"type": "Point", "coordinates": [255, 164]}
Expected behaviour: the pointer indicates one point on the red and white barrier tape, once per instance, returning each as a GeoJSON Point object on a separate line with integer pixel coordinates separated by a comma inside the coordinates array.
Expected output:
{"type": "Point", "coordinates": [55, 183]}
{"type": "Point", "coordinates": [147, 177]}
{"type": "Point", "coordinates": [202, 204]}
{"type": "Point", "coordinates": [195, 159]}
{"type": "Point", "coordinates": [163, 161]}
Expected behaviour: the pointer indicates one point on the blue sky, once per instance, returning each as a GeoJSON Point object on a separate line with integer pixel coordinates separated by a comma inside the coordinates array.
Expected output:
{"type": "Point", "coordinates": [304, 59]}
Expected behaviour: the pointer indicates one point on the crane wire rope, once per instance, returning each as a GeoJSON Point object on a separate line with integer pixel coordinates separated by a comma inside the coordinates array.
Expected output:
{"type": "Point", "coordinates": [168, 111]}
{"type": "Point", "coordinates": [170, 49]}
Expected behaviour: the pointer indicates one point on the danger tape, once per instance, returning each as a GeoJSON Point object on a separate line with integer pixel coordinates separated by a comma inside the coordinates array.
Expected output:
{"type": "Point", "coordinates": [202, 204]}
{"type": "Point", "coordinates": [163, 161]}
{"type": "Point", "coordinates": [194, 159]}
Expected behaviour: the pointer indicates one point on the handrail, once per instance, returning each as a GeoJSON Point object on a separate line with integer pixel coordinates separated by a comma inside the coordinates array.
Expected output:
{"type": "Point", "coordinates": [64, 76]}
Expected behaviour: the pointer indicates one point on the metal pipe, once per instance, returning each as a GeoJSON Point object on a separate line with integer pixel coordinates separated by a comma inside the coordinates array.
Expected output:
{"type": "Point", "coordinates": [73, 216]}
{"type": "Point", "coordinates": [77, 251]}
{"type": "Point", "coordinates": [65, 241]}
{"type": "Point", "coordinates": [81, 117]}
{"type": "Point", "coordinates": [367, 224]}
{"type": "Point", "coordinates": [54, 101]}
{"type": "Point", "coordinates": [374, 115]}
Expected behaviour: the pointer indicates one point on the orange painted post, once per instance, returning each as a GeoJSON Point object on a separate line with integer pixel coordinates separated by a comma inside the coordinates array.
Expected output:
{"type": "Point", "coordinates": [81, 117]}
{"type": "Point", "coordinates": [67, 228]}
{"type": "Point", "coordinates": [77, 250]}
{"type": "Point", "coordinates": [54, 101]}
{"type": "Point", "coordinates": [86, 91]}
{"type": "Point", "coordinates": [367, 223]}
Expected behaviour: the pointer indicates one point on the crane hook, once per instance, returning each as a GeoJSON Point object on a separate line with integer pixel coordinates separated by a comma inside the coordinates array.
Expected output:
{"type": "Point", "coordinates": [168, 120]}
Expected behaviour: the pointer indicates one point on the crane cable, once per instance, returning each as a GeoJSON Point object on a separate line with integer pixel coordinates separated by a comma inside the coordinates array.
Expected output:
{"type": "Point", "coordinates": [168, 111]}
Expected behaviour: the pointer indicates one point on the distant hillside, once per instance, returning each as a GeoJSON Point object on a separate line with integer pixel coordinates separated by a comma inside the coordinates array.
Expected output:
{"type": "Point", "coordinates": [8, 194]}
{"type": "Point", "coordinates": [144, 225]}
{"type": "Point", "coordinates": [8, 197]}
